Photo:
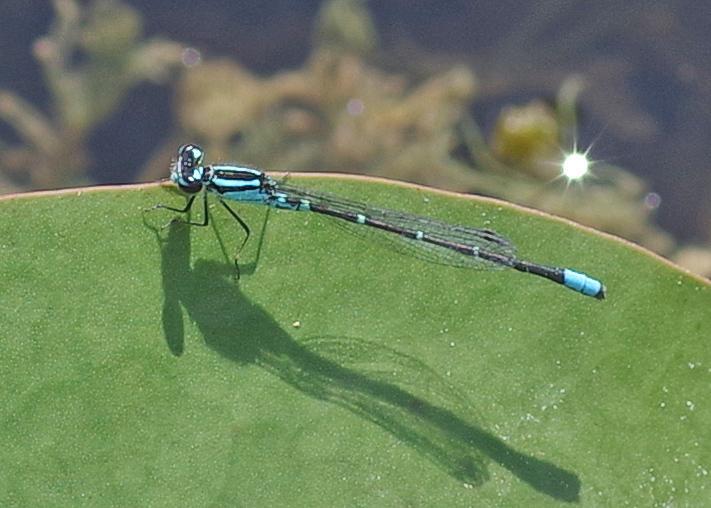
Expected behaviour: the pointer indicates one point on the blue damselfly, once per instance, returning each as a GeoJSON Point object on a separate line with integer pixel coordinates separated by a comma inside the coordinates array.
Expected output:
{"type": "Point", "coordinates": [439, 241]}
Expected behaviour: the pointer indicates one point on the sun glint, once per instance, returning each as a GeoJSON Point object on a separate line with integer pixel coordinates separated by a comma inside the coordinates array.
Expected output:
{"type": "Point", "coordinates": [575, 166]}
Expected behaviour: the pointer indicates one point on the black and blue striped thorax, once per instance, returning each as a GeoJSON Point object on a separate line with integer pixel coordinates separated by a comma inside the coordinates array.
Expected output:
{"type": "Point", "coordinates": [239, 183]}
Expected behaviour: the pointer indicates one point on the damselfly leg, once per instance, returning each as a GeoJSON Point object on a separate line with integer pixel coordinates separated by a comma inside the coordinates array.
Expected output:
{"type": "Point", "coordinates": [206, 220]}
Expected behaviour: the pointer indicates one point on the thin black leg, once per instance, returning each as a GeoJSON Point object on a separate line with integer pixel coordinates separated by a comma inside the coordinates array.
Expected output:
{"type": "Point", "coordinates": [205, 216]}
{"type": "Point", "coordinates": [179, 210]}
{"type": "Point", "coordinates": [246, 229]}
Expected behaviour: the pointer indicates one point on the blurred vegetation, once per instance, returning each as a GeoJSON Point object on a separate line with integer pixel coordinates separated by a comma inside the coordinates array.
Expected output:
{"type": "Point", "coordinates": [339, 112]}
{"type": "Point", "coordinates": [90, 59]}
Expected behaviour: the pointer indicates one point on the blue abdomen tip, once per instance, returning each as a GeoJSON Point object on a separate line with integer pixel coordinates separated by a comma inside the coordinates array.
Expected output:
{"type": "Point", "coordinates": [583, 284]}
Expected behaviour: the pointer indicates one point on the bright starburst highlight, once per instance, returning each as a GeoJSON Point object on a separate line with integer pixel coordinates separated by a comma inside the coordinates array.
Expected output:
{"type": "Point", "coordinates": [576, 165]}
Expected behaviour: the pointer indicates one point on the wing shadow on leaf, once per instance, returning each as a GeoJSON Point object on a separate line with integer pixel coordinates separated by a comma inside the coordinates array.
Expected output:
{"type": "Point", "coordinates": [430, 416]}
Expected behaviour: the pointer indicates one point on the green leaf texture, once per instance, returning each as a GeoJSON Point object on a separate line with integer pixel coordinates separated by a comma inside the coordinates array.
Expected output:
{"type": "Point", "coordinates": [137, 371]}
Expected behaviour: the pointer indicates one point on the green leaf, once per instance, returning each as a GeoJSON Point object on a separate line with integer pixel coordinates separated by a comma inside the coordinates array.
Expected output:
{"type": "Point", "coordinates": [337, 371]}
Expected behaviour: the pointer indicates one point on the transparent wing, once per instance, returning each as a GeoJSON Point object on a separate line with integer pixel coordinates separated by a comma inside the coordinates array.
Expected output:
{"type": "Point", "coordinates": [484, 239]}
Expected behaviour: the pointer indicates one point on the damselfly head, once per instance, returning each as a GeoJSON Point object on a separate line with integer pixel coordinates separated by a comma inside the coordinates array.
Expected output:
{"type": "Point", "coordinates": [187, 171]}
